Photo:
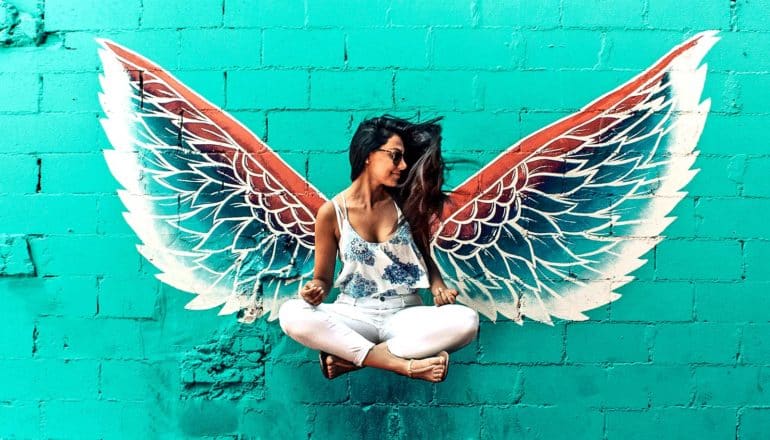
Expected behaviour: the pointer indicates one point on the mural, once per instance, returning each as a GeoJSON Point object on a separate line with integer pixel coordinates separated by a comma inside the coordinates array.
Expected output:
{"type": "Point", "coordinates": [548, 229]}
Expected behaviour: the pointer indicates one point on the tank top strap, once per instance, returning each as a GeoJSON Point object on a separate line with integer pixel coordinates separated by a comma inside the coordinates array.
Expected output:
{"type": "Point", "coordinates": [339, 215]}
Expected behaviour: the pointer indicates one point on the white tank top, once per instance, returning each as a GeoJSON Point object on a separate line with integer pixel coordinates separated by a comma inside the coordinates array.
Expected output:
{"type": "Point", "coordinates": [393, 267]}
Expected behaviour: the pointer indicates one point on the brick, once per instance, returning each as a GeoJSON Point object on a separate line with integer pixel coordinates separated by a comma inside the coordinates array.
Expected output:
{"type": "Point", "coordinates": [640, 386]}
{"type": "Point", "coordinates": [754, 91]}
{"type": "Point", "coordinates": [245, 13]}
{"type": "Point", "coordinates": [52, 57]}
{"type": "Point", "coordinates": [571, 385]}
{"type": "Point", "coordinates": [20, 419]}
{"type": "Point", "coordinates": [741, 54]}
{"type": "Point", "coordinates": [256, 413]}
{"type": "Point", "coordinates": [91, 14]}
{"type": "Point", "coordinates": [519, 13]}
{"type": "Point", "coordinates": [328, 180]}
{"type": "Point", "coordinates": [70, 92]}
{"type": "Point", "coordinates": [401, 48]}
{"type": "Point", "coordinates": [106, 419]}
{"type": "Point", "coordinates": [561, 49]}
{"type": "Point", "coordinates": [477, 48]}
{"type": "Point", "coordinates": [718, 176]}
{"type": "Point", "coordinates": [19, 92]}
{"type": "Point", "coordinates": [235, 48]}
{"type": "Point", "coordinates": [268, 89]}
{"type": "Point", "coordinates": [712, 15]}
{"type": "Point", "coordinates": [732, 302]}
{"type": "Point", "coordinates": [535, 342]}
{"type": "Point", "coordinates": [365, 15]}
{"type": "Point", "coordinates": [20, 173]}
{"type": "Point", "coordinates": [131, 380]}
{"type": "Point", "coordinates": [181, 14]}
{"type": "Point", "coordinates": [755, 347]}
{"type": "Point", "coordinates": [354, 89]}
{"type": "Point", "coordinates": [740, 221]}
{"type": "Point", "coordinates": [705, 342]}
{"type": "Point", "coordinates": [363, 422]}
{"type": "Point", "coordinates": [425, 422]}
{"type": "Point", "coordinates": [329, 132]}
{"type": "Point", "coordinates": [84, 254]}
{"type": "Point", "coordinates": [684, 222]}
{"type": "Point", "coordinates": [450, 13]}
{"type": "Point", "coordinates": [19, 327]}
{"type": "Point", "coordinates": [756, 254]}
{"type": "Point", "coordinates": [718, 260]}
{"type": "Point", "coordinates": [72, 338]}
{"type": "Point", "coordinates": [637, 49]}
{"type": "Point", "coordinates": [129, 297]}
{"type": "Point", "coordinates": [530, 422]}
{"type": "Point", "coordinates": [76, 173]}
{"type": "Point", "coordinates": [373, 386]}
{"type": "Point", "coordinates": [209, 84]}
{"type": "Point", "coordinates": [109, 215]}
{"type": "Point", "coordinates": [533, 91]}
{"type": "Point", "coordinates": [15, 256]}
{"type": "Point", "coordinates": [751, 14]}
{"type": "Point", "coordinates": [755, 177]}
{"type": "Point", "coordinates": [256, 121]}
{"type": "Point", "coordinates": [427, 90]}
{"type": "Point", "coordinates": [303, 47]}
{"type": "Point", "coordinates": [746, 386]}
{"type": "Point", "coordinates": [684, 422]}
{"type": "Point", "coordinates": [78, 132]}
{"type": "Point", "coordinates": [753, 422]}
{"type": "Point", "coordinates": [159, 46]}
{"type": "Point", "coordinates": [604, 13]}
{"type": "Point", "coordinates": [471, 132]}
{"type": "Point", "coordinates": [26, 379]}
{"type": "Point", "coordinates": [466, 384]}
{"type": "Point", "coordinates": [48, 214]}
{"type": "Point", "coordinates": [607, 342]}
{"type": "Point", "coordinates": [53, 296]}
{"type": "Point", "coordinates": [725, 92]}
{"type": "Point", "coordinates": [302, 382]}
{"type": "Point", "coordinates": [649, 301]}
{"type": "Point", "coordinates": [733, 134]}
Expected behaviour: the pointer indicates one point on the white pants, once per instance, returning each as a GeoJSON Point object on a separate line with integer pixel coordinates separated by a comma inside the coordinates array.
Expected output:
{"type": "Point", "coordinates": [350, 327]}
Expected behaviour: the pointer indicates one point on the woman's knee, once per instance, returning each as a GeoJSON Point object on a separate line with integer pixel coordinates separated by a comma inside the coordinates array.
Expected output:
{"type": "Point", "coordinates": [467, 320]}
{"type": "Point", "coordinates": [293, 318]}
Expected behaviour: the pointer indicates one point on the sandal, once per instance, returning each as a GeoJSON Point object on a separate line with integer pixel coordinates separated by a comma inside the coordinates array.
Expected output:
{"type": "Point", "coordinates": [442, 354]}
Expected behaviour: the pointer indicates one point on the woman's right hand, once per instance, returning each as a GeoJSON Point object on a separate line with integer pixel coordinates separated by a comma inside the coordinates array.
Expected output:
{"type": "Point", "coordinates": [313, 292]}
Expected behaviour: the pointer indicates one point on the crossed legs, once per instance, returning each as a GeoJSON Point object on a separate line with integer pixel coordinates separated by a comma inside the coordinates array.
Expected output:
{"type": "Point", "coordinates": [410, 340]}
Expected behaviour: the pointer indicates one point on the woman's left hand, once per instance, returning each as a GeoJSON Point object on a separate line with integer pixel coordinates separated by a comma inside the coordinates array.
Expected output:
{"type": "Point", "coordinates": [443, 295]}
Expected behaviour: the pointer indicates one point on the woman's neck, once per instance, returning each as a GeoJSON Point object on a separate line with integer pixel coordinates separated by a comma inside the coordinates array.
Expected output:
{"type": "Point", "coordinates": [367, 192]}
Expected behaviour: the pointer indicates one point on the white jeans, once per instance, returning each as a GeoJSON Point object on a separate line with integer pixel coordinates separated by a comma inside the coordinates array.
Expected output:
{"type": "Point", "coordinates": [350, 327]}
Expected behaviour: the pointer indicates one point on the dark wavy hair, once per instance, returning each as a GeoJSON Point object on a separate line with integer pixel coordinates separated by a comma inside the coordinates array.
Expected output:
{"type": "Point", "coordinates": [419, 191]}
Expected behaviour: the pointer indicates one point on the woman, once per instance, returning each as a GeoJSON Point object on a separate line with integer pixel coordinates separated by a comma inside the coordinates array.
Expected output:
{"type": "Point", "coordinates": [381, 226]}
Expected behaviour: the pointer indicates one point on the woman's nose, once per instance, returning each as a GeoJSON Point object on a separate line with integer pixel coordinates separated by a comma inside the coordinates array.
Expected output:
{"type": "Point", "coordinates": [402, 165]}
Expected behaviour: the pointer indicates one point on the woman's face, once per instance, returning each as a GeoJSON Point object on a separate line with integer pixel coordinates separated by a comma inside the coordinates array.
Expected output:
{"type": "Point", "coordinates": [387, 162]}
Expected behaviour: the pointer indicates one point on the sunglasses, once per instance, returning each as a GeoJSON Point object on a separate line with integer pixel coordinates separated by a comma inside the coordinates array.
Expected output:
{"type": "Point", "coordinates": [396, 155]}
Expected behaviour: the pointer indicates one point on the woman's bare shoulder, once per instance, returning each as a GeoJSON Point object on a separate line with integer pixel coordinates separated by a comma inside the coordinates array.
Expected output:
{"type": "Point", "coordinates": [326, 213]}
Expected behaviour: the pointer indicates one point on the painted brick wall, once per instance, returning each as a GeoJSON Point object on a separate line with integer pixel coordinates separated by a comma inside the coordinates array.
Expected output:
{"type": "Point", "coordinates": [93, 346]}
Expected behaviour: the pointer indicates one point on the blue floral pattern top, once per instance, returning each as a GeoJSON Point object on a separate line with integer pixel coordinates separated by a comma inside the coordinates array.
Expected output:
{"type": "Point", "coordinates": [394, 267]}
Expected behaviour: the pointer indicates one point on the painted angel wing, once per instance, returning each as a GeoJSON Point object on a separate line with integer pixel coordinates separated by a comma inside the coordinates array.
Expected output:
{"type": "Point", "coordinates": [218, 212]}
{"type": "Point", "coordinates": [557, 222]}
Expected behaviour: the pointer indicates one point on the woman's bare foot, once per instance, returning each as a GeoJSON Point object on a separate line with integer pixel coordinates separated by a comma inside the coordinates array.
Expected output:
{"type": "Point", "coordinates": [336, 366]}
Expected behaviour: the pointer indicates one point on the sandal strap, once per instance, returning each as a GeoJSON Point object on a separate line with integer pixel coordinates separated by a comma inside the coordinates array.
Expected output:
{"type": "Point", "coordinates": [409, 368]}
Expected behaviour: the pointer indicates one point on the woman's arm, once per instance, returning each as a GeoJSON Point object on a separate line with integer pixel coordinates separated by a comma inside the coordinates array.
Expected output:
{"type": "Point", "coordinates": [441, 293]}
{"type": "Point", "coordinates": [326, 239]}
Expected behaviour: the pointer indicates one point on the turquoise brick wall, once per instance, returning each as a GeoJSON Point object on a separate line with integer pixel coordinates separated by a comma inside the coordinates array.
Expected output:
{"type": "Point", "coordinates": [93, 346]}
